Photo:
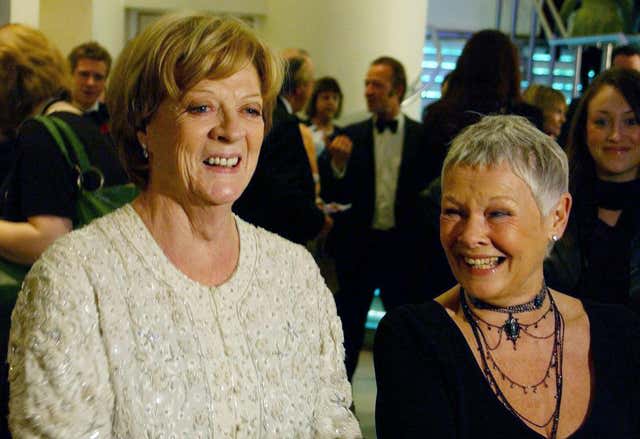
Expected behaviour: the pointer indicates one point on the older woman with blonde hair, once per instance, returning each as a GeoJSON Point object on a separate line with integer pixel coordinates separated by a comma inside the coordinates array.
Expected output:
{"type": "Point", "coordinates": [171, 316]}
{"type": "Point", "coordinates": [501, 354]}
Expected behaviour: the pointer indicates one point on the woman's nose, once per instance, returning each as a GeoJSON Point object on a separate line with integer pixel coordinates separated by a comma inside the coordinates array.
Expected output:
{"type": "Point", "coordinates": [614, 132]}
{"type": "Point", "coordinates": [473, 231]}
{"type": "Point", "coordinates": [229, 128]}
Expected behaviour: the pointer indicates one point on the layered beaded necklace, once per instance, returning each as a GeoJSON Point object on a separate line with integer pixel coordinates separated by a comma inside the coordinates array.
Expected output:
{"type": "Point", "coordinates": [512, 332]}
{"type": "Point", "coordinates": [512, 326]}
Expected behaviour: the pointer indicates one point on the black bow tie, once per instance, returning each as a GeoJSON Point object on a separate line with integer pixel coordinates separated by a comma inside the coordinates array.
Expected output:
{"type": "Point", "coordinates": [392, 124]}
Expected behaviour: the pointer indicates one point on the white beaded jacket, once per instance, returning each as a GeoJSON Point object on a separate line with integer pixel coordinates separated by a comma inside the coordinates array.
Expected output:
{"type": "Point", "coordinates": [110, 340]}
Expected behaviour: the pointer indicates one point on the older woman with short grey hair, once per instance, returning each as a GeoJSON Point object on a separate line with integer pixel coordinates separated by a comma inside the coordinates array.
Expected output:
{"type": "Point", "coordinates": [171, 317]}
{"type": "Point", "coordinates": [501, 354]}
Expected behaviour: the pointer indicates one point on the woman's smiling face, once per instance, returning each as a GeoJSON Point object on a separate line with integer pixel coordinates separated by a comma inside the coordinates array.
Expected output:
{"type": "Point", "coordinates": [613, 136]}
{"type": "Point", "coordinates": [204, 148]}
{"type": "Point", "coordinates": [493, 233]}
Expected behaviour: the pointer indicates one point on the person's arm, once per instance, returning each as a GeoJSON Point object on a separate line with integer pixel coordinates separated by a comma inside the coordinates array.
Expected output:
{"type": "Point", "coordinates": [412, 398]}
{"type": "Point", "coordinates": [24, 242]}
{"type": "Point", "coordinates": [340, 150]}
{"type": "Point", "coordinates": [59, 376]}
{"type": "Point", "coordinates": [332, 417]}
{"type": "Point", "coordinates": [333, 164]}
{"type": "Point", "coordinates": [42, 196]}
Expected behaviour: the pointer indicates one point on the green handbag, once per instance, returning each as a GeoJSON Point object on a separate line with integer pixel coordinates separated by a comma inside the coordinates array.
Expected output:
{"type": "Point", "coordinates": [93, 201]}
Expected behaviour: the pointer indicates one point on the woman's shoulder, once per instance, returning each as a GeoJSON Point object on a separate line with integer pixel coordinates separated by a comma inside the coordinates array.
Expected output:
{"type": "Point", "coordinates": [615, 334]}
{"type": "Point", "coordinates": [605, 320]}
{"type": "Point", "coordinates": [84, 245]}
{"type": "Point", "coordinates": [271, 244]}
{"type": "Point", "coordinates": [425, 318]}
{"type": "Point", "coordinates": [614, 319]}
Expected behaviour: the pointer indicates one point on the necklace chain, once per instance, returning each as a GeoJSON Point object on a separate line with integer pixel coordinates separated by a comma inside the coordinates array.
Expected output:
{"type": "Point", "coordinates": [524, 327]}
{"type": "Point", "coordinates": [533, 304]}
{"type": "Point", "coordinates": [511, 326]}
{"type": "Point", "coordinates": [555, 363]}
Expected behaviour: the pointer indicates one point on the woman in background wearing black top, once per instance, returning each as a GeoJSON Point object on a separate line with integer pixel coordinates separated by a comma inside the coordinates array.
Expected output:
{"type": "Point", "coordinates": [486, 81]}
{"type": "Point", "coordinates": [39, 195]}
{"type": "Point", "coordinates": [501, 355]}
{"type": "Point", "coordinates": [599, 256]}
{"type": "Point", "coordinates": [41, 198]}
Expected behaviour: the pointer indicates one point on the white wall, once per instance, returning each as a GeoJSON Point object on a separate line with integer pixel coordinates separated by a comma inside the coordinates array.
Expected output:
{"type": "Point", "coordinates": [249, 7]}
{"type": "Point", "coordinates": [66, 22]}
{"type": "Point", "coordinates": [25, 12]}
{"type": "Point", "coordinates": [343, 37]}
{"type": "Point", "coordinates": [109, 25]}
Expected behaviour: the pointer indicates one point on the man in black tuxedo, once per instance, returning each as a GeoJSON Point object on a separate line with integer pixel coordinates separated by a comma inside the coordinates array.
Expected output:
{"type": "Point", "coordinates": [281, 195]}
{"type": "Point", "coordinates": [377, 167]}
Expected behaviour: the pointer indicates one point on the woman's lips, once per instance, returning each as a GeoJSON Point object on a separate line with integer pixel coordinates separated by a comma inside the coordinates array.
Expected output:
{"type": "Point", "coordinates": [616, 149]}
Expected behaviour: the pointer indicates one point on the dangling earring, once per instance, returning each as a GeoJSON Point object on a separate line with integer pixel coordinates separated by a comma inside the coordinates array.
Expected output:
{"type": "Point", "coordinates": [145, 153]}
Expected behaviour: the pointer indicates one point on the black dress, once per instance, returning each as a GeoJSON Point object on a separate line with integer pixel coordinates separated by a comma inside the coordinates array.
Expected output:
{"type": "Point", "coordinates": [430, 385]}
{"type": "Point", "coordinates": [42, 182]}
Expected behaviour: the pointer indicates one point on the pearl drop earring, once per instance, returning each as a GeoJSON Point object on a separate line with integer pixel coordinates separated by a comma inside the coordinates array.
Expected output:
{"type": "Point", "coordinates": [145, 153]}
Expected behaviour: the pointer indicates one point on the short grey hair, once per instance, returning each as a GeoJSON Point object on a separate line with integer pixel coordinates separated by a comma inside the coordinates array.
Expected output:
{"type": "Point", "coordinates": [531, 154]}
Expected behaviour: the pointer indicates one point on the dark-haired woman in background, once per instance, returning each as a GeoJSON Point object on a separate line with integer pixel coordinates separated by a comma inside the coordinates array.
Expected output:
{"type": "Point", "coordinates": [599, 257]}
{"type": "Point", "coordinates": [486, 81]}
{"type": "Point", "coordinates": [323, 108]}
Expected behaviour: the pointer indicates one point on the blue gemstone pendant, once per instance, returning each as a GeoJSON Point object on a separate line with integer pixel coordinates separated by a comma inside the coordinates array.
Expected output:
{"type": "Point", "coordinates": [512, 329]}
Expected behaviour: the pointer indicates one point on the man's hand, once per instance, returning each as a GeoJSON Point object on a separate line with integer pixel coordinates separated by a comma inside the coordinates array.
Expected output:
{"type": "Point", "coordinates": [340, 149]}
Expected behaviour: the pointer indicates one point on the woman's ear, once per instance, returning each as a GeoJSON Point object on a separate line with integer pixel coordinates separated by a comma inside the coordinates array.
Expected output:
{"type": "Point", "coordinates": [559, 216]}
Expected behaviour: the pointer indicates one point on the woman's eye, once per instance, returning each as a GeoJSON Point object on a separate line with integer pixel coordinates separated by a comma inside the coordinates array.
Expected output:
{"type": "Point", "coordinates": [631, 122]}
{"type": "Point", "coordinates": [195, 109]}
{"type": "Point", "coordinates": [254, 111]}
{"type": "Point", "coordinates": [498, 214]}
{"type": "Point", "coordinates": [451, 212]}
{"type": "Point", "coordinates": [600, 122]}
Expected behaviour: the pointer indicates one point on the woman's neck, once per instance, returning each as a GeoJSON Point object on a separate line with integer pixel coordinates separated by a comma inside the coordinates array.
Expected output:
{"type": "Point", "coordinates": [203, 243]}
{"type": "Point", "coordinates": [323, 123]}
{"type": "Point", "coordinates": [609, 217]}
{"type": "Point", "coordinates": [527, 306]}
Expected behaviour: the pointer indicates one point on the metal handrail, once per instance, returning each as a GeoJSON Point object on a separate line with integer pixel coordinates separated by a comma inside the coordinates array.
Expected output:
{"type": "Point", "coordinates": [591, 40]}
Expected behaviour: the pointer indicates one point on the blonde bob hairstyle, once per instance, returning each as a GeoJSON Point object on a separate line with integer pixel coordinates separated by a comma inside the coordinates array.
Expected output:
{"type": "Point", "coordinates": [532, 155]}
{"type": "Point", "coordinates": [32, 70]}
{"type": "Point", "coordinates": [543, 97]}
{"type": "Point", "coordinates": [170, 57]}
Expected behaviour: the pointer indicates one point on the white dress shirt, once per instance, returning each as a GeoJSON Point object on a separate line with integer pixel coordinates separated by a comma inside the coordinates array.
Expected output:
{"type": "Point", "coordinates": [387, 155]}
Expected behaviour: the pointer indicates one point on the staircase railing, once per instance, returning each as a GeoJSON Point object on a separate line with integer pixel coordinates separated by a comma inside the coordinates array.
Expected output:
{"type": "Point", "coordinates": [562, 39]}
